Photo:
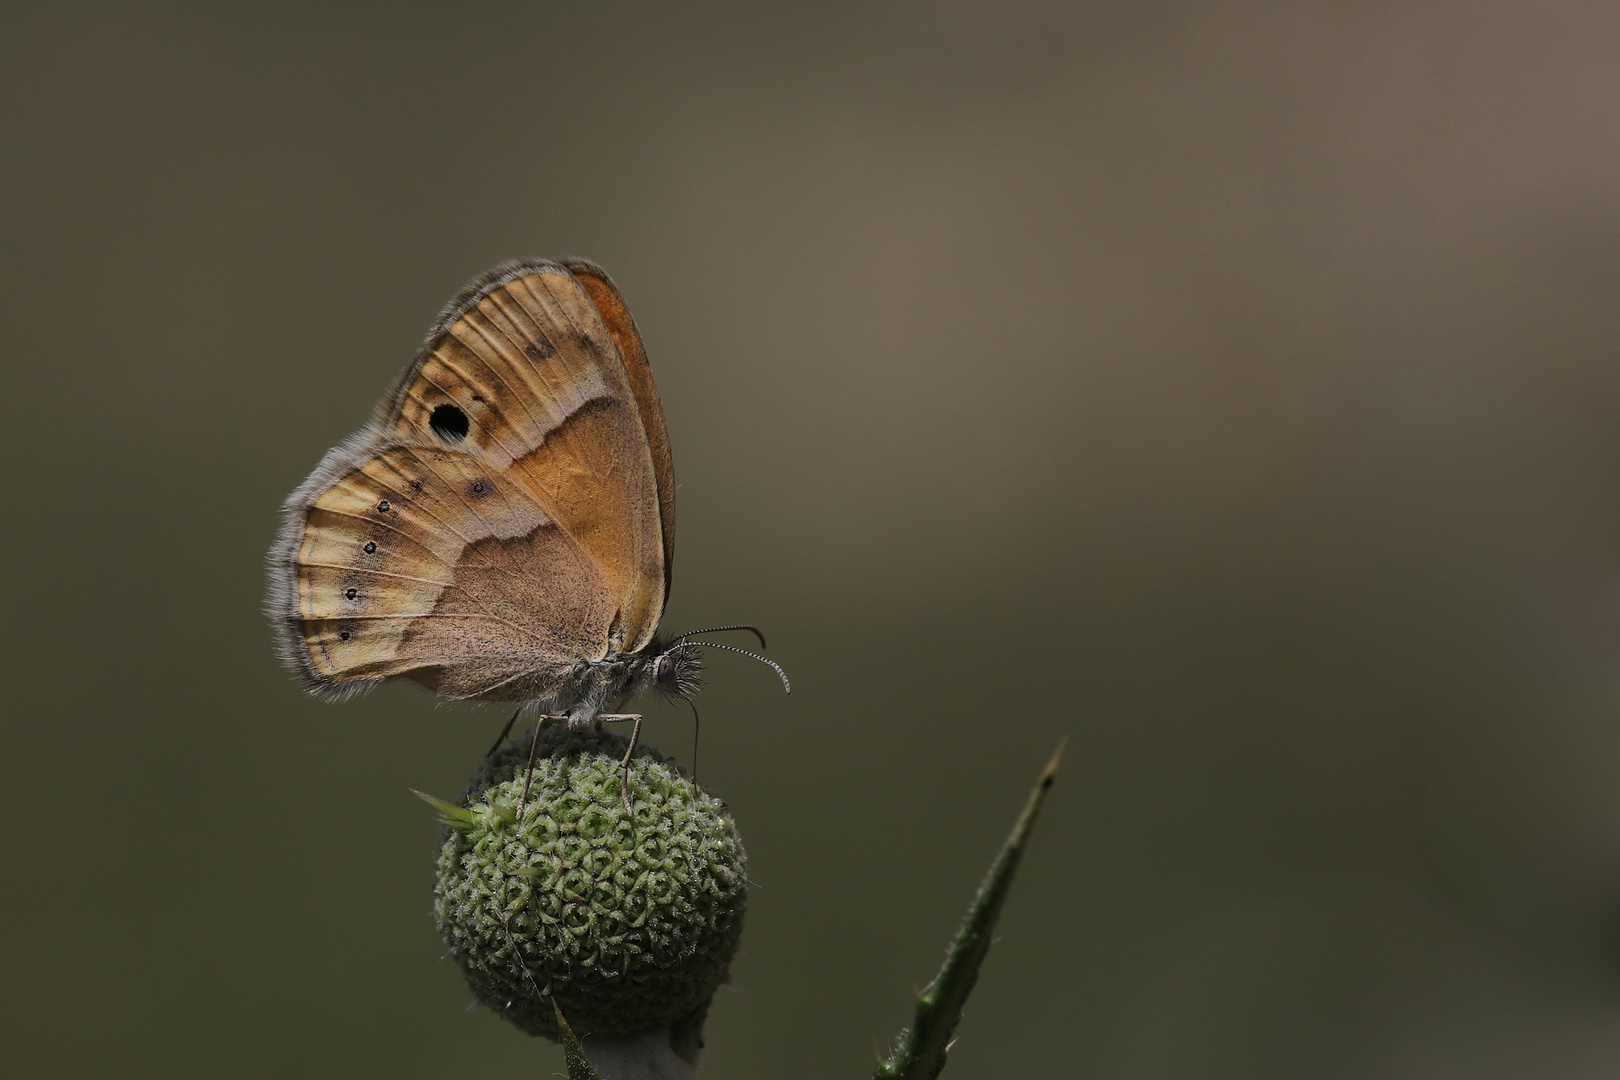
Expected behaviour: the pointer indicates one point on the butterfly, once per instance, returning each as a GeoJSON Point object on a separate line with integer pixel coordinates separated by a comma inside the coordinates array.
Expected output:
{"type": "Point", "coordinates": [503, 528]}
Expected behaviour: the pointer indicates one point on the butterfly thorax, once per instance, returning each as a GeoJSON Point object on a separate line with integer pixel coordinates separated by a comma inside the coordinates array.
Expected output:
{"type": "Point", "coordinates": [596, 687]}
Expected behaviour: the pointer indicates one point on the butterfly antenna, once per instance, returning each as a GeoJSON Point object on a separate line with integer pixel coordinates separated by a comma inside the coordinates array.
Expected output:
{"type": "Point", "coordinates": [767, 661]}
{"type": "Point", "coordinates": [756, 631]}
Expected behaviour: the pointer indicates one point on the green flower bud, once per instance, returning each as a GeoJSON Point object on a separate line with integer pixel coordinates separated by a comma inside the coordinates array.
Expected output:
{"type": "Point", "coordinates": [629, 924]}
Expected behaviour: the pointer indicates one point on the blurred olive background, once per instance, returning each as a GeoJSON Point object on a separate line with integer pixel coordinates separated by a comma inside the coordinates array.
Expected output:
{"type": "Point", "coordinates": [1231, 388]}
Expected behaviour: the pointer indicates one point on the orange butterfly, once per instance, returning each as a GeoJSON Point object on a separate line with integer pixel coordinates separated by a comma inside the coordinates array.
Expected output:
{"type": "Point", "coordinates": [502, 529]}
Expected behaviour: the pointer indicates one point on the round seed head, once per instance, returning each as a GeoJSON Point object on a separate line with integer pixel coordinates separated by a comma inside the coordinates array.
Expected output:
{"type": "Point", "coordinates": [628, 923]}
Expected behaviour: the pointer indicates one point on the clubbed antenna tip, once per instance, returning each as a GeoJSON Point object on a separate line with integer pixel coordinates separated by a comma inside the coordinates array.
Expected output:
{"type": "Point", "coordinates": [767, 661]}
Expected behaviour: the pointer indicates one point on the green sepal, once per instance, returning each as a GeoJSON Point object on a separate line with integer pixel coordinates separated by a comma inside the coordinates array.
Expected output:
{"type": "Point", "coordinates": [919, 1052]}
{"type": "Point", "coordinates": [503, 813]}
{"type": "Point", "coordinates": [458, 818]}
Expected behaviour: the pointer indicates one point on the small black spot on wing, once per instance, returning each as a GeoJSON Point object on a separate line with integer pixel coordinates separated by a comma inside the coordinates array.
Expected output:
{"type": "Point", "coordinates": [351, 593]}
{"type": "Point", "coordinates": [539, 349]}
{"type": "Point", "coordinates": [478, 489]}
{"type": "Point", "coordinates": [371, 546]}
{"type": "Point", "coordinates": [449, 423]}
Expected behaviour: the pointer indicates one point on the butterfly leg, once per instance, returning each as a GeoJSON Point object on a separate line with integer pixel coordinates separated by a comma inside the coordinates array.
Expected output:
{"type": "Point", "coordinates": [624, 766]}
{"type": "Point", "coordinates": [505, 731]}
{"type": "Point", "coordinates": [695, 723]}
{"type": "Point", "coordinates": [534, 748]}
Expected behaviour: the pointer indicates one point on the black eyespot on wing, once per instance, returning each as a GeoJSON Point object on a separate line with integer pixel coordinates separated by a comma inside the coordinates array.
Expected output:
{"type": "Point", "coordinates": [477, 489]}
{"type": "Point", "coordinates": [449, 423]}
{"type": "Point", "coordinates": [351, 593]}
{"type": "Point", "coordinates": [383, 507]}
{"type": "Point", "coordinates": [370, 547]}
{"type": "Point", "coordinates": [343, 635]}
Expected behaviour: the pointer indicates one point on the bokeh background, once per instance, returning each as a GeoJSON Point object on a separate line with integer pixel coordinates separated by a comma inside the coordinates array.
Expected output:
{"type": "Point", "coordinates": [1230, 388]}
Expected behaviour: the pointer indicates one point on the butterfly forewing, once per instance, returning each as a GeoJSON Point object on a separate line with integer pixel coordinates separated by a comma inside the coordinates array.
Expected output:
{"type": "Point", "coordinates": [499, 519]}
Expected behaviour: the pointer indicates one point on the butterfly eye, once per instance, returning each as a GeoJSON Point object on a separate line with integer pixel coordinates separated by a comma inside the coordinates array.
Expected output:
{"type": "Point", "coordinates": [449, 423]}
{"type": "Point", "coordinates": [662, 668]}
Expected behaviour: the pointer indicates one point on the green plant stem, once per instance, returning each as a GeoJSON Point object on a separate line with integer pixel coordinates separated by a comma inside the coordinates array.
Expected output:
{"type": "Point", "coordinates": [579, 1067]}
{"type": "Point", "coordinates": [920, 1051]}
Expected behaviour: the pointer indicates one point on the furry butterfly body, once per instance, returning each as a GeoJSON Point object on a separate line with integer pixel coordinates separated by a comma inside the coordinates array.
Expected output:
{"type": "Point", "coordinates": [502, 529]}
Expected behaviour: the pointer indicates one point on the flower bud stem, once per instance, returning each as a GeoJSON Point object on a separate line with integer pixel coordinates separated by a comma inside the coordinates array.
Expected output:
{"type": "Point", "coordinates": [919, 1053]}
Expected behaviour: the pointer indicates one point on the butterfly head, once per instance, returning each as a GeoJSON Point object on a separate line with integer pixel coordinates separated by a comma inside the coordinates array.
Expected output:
{"type": "Point", "coordinates": [676, 668]}
{"type": "Point", "coordinates": [673, 665]}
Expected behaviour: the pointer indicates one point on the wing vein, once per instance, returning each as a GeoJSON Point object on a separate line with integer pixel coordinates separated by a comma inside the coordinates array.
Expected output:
{"type": "Point", "coordinates": [390, 528]}
{"type": "Point", "coordinates": [501, 489]}
{"type": "Point", "coordinates": [462, 375]}
{"type": "Point", "coordinates": [514, 568]}
{"type": "Point", "coordinates": [528, 387]}
{"type": "Point", "coordinates": [498, 683]}
{"type": "Point", "coordinates": [425, 615]}
{"type": "Point", "coordinates": [563, 348]}
{"type": "Point", "coordinates": [500, 546]}
{"type": "Point", "coordinates": [382, 573]}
